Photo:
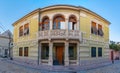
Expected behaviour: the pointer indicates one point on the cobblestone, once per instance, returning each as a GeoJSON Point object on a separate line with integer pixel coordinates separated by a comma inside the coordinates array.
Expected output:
{"type": "Point", "coordinates": [113, 68]}
{"type": "Point", "coordinates": [7, 67]}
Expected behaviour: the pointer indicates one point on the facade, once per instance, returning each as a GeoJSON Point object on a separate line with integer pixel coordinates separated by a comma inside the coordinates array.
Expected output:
{"type": "Point", "coordinates": [61, 35]}
{"type": "Point", "coordinates": [5, 41]}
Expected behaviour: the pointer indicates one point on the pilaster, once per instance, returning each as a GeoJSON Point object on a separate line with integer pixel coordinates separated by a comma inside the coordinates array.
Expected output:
{"type": "Point", "coordinates": [50, 53]}
{"type": "Point", "coordinates": [66, 54]}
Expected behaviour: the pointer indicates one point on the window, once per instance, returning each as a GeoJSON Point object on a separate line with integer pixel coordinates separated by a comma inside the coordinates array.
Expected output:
{"type": "Point", "coordinates": [72, 23]}
{"type": "Point", "coordinates": [26, 29]}
{"type": "Point", "coordinates": [20, 51]}
{"type": "Point", "coordinates": [93, 52]}
{"type": "Point", "coordinates": [59, 22]}
{"type": "Point", "coordinates": [45, 51]}
{"type": "Point", "coordinates": [21, 31]}
{"type": "Point", "coordinates": [100, 31]}
{"type": "Point", "coordinates": [99, 52]}
{"type": "Point", "coordinates": [93, 28]}
{"type": "Point", "coordinates": [45, 23]}
{"type": "Point", "coordinates": [26, 51]}
{"type": "Point", "coordinates": [71, 51]}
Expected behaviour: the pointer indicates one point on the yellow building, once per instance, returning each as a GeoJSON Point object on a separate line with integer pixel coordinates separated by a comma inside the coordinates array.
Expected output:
{"type": "Point", "coordinates": [61, 35]}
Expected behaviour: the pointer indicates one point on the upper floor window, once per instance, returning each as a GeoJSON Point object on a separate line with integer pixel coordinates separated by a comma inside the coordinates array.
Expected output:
{"type": "Point", "coordinates": [72, 23]}
{"type": "Point", "coordinates": [100, 31]}
{"type": "Point", "coordinates": [93, 28]}
{"type": "Point", "coordinates": [26, 29]}
{"type": "Point", "coordinates": [59, 22]}
{"type": "Point", "coordinates": [45, 23]}
{"type": "Point", "coordinates": [21, 31]}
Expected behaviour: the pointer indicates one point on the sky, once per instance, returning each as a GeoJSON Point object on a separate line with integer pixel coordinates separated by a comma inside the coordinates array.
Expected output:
{"type": "Point", "coordinates": [12, 10]}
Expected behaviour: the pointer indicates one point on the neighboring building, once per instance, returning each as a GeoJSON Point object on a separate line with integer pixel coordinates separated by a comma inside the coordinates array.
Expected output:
{"type": "Point", "coordinates": [62, 35]}
{"type": "Point", "coordinates": [5, 41]}
{"type": "Point", "coordinates": [114, 54]}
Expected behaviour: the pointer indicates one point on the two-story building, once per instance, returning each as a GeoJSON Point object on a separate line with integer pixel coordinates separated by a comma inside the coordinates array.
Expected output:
{"type": "Point", "coordinates": [61, 35]}
{"type": "Point", "coordinates": [5, 43]}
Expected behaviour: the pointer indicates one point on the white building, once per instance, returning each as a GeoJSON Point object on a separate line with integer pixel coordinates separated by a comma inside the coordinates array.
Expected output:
{"type": "Point", "coordinates": [5, 41]}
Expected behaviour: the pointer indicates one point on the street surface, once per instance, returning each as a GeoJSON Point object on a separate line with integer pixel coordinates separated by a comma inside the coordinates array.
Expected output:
{"type": "Point", "coordinates": [7, 67]}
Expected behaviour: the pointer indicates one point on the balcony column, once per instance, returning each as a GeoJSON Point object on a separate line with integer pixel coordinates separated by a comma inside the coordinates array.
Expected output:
{"type": "Point", "coordinates": [51, 24]}
{"type": "Point", "coordinates": [78, 24]}
{"type": "Point", "coordinates": [66, 26]}
{"type": "Point", "coordinates": [66, 23]}
{"type": "Point", "coordinates": [78, 53]}
{"type": "Point", "coordinates": [50, 62]}
{"type": "Point", "coordinates": [66, 62]}
{"type": "Point", "coordinates": [39, 53]}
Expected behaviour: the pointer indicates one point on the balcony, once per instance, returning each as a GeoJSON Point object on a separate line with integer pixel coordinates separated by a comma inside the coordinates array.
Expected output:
{"type": "Point", "coordinates": [59, 34]}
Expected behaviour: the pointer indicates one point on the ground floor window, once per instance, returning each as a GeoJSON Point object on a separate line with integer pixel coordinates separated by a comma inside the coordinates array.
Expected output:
{"type": "Point", "coordinates": [25, 51]}
{"type": "Point", "coordinates": [20, 51]}
{"type": "Point", "coordinates": [72, 51]}
{"type": "Point", "coordinates": [45, 51]}
{"type": "Point", "coordinates": [93, 52]}
{"type": "Point", "coordinates": [99, 52]}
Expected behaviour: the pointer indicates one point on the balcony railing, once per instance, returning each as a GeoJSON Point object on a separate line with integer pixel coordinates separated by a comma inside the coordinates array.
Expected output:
{"type": "Point", "coordinates": [59, 34]}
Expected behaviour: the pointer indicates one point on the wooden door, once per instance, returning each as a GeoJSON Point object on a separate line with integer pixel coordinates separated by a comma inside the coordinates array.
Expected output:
{"type": "Point", "coordinates": [59, 54]}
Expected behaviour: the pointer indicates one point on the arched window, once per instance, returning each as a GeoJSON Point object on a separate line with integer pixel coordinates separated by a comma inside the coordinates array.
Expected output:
{"type": "Point", "coordinates": [45, 23]}
{"type": "Point", "coordinates": [72, 23]}
{"type": "Point", "coordinates": [59, 22]}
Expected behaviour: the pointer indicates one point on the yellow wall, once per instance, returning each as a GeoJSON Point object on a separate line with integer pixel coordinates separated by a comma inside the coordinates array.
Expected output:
{"type": "Point", "coordinates": [33, 29]}
{"type": "Point", "coordinates": [85, 27]}
{"type": "Point", "coordinates": [28, 40]}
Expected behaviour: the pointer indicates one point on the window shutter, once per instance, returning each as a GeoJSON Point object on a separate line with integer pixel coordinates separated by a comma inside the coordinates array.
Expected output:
{"type": "Point", "coordinates": [94, 30]}
{"type": "Point", "coordinates": [75, 26]}
{"type": "Point", "coordinates": [70, 25]}
{"type": "Point", "coordinates": [101, 32]}
{"type": "Point", "coordinates": [62, 25]}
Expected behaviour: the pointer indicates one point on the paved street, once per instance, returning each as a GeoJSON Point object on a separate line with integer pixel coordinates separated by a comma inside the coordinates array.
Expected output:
{"type": "Point", "coordinates": [6, 67]}
{"type": "Point", "coordinates": [12, 68]}
{"type": "Point", "coordinates": [113, 68]}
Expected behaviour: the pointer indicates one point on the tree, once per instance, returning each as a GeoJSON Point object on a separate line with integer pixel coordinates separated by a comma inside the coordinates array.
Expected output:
{"type": "Point", "coordinates": [114, 46]}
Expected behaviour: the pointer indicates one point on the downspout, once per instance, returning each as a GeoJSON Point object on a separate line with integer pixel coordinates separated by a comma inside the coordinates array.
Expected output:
{"type": "Point", "coordinates": [81, 36]}
{"type": "Point", "coordinates": [37, 37]}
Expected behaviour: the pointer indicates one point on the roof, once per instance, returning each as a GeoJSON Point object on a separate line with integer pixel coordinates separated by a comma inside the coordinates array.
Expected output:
{"type": "Point", "coordinates": [52, 6]}
{"type": "Point", "coordinates": [6, 34]}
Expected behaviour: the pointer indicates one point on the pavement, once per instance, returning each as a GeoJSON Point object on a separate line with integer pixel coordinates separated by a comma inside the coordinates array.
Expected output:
{"type": "Point", "coordinates": [10, 67]}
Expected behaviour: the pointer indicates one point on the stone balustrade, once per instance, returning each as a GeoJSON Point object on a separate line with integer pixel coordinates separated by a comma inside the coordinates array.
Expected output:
{"type": "Point", "coordinates": [59, 34]}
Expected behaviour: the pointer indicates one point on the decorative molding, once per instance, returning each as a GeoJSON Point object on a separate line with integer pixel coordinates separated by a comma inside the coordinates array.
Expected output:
{"type": "Point", "coordinates": [83, 15]}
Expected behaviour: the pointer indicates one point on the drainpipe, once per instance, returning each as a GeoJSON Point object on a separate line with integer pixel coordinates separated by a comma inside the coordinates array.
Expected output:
{"type": "Point", "coordinates": [9, 48]}
{"type": "Point", "coordinates": [37, 36]}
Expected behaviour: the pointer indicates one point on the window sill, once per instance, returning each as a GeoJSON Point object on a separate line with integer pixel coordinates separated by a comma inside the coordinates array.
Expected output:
{"type": "Point", "coordinates": [24, 36]}
{"type": "Point", "coordinates": [97, 35]}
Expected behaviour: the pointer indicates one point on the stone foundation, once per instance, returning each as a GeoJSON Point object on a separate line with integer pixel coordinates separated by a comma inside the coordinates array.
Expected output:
{"type": "Point", "coordinates": [88, 64]}
{"type": "Point", "coordinates": [26, 61]}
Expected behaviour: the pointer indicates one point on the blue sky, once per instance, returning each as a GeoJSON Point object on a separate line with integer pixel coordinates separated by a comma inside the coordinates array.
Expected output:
{"type": "Point", "coordinates": [12, 10]}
